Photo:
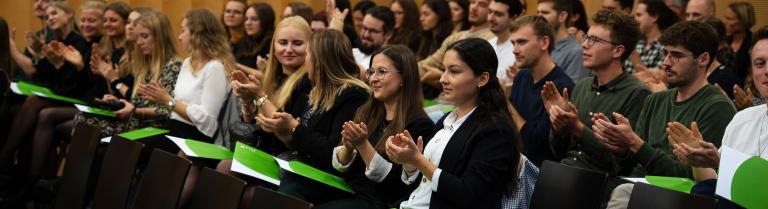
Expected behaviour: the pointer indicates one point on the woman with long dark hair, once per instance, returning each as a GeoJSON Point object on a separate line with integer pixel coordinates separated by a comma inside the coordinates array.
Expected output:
{"type": "Point", "coordinates": [436, 25]}
{"type": "Point", "coordinates": [395, 106]}
{"type": "Point", "coordinates": [459, 14]}
{"type": "Point", "coordinates": [407, 32]}
{"type": "Point", "coordinates": [259, 27]}
{"type": "Point", "coordinates": [470, 160]}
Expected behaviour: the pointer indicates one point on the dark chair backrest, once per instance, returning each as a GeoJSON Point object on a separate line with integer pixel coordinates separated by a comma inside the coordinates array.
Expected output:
{"type": "Point", "coordinates": [162, 181]}
{"type": "Point", "coordinates": [216, 190]}
{"type": "Point", "coordinates": [264, 198]}
{"type": "Point", "coordinates": [116, 176]}
{"type": "Point", "coordinates": [649, 196]}
{"type": "Point", "coordinates": [565, 187]}
{"type": "Point", "coordinates": [77, 169]}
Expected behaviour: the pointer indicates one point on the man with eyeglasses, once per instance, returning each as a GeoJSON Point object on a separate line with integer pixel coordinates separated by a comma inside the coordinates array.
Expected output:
{"type": "Point", "coordinates": [376, 30]}
{"type": "Point", "coordinates": [607, 44]}
{"type": "Point", "coordinates": [689, 49]}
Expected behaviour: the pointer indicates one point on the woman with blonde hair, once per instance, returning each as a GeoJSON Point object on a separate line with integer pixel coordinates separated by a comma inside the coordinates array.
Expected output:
{"type": "Point", "coordinates": [336, 94]}
{"type": "Point", "coordinates": [202, 86]}
{"type": "Point", "coordinates": [283, 87]}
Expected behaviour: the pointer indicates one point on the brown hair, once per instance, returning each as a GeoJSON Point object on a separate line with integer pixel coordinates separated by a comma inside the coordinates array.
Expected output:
{"type": "Point", "coordinates": [410, 103]}
{"type": "Point", "coordinates": [539, 26]}
{"type": "Point", "coordinates": [334, 70]}
{"type": "Point", "coordinates": [208, 39]}
{"type": "Point", "coordinates": [624, 29]}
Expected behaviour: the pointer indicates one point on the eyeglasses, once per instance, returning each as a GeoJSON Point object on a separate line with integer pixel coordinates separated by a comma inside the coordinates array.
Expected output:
{"type": "Point", "coordinates": [380, 73]}
{"type": "Point", "coordinates": [364, 29]}
{"type": "Point", "coordinates": [592, 40]}
{"type": "Point", "coordinates": [673, 56]}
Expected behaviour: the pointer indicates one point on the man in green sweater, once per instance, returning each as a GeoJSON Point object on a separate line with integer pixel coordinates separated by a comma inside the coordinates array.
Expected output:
{"type": "Point", "coordinates": [689, 48]}
{"type": "Point", "coordinates": [607, 44]}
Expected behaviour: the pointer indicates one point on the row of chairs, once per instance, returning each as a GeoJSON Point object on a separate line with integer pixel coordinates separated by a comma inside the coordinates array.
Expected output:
{"type": "Point", "coordinates": [159, 184]}
{"type": "Point", "coordinates": [566, 187]}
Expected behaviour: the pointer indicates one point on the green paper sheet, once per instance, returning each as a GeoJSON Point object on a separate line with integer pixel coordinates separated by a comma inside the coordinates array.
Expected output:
{"type": "Point", "coordinates": [256, 163]}
{"type": "Point", "coordinates": [674, 183]}
{"type": "Point", "coordinates": [319, 175]}
{"type": "Point", "coordinates": [143, 133]}
{"type": "Point", "coordinates": [96, 111]}
{"type": "Point", "coordinates": [201, 149]}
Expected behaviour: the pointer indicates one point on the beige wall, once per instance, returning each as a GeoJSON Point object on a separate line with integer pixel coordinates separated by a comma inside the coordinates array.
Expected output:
{"type": "Point", "coordinates": [19, 13]}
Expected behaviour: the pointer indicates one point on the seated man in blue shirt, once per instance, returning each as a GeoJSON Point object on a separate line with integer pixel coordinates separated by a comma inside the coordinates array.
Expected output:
{"type": "Point", "coordinates": [533, 38]}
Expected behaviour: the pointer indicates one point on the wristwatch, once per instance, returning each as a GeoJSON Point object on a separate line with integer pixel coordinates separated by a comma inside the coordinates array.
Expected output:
{"type": "Point", "coordinates": [259, 102]}
{"type": "Point", "coordinates": [119, 85]}
{"type": "Point", "coordinates": [172, 103]}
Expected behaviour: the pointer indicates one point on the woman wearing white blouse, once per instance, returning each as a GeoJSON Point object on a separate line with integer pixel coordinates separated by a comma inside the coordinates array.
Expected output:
{"type": "Point", "coordinates": [202, 86]}
{"type": "Point", "coordinates": [469, 162]}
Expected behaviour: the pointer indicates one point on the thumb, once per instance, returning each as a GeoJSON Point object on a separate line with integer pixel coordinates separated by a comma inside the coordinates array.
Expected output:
{"type": "Point", "coordinates": [749, 92]}
{"type": "Point", "coordinates": [620, 119]}
{"type": "Point", "coordinates": [420, 144]}
{"type": "Point", "coordinates": [565, 94]}
{"type": "Point", "coordinates": [695, 129]}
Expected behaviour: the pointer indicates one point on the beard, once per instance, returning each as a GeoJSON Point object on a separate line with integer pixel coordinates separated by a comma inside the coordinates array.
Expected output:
{"type": "Point", "coordinates": [368, 50]}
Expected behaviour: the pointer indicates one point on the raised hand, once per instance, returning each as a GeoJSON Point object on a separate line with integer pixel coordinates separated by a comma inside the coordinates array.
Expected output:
{"type": "Point", "coordinates": [245, 86]}
{"type": "Point", "coordinates": [154, 92]}
{"type": "Point", "coordinates": [261, 62]}
{"type": "Point", "coordinates": [355, 133]}
{"type": "Point", "coordinates": [566, 121]}
{"type": "Point", "coordinates": [742, 97]}
{"type": "Point", "coordinates": [616, 137]}
{"type": "Point", "coordinates": [677, 133]}
{"type": "Point", "coordinates": [34, 43]}
{"type": "Point", "coordinates": [701, 154]}
{"type": "Point", "coordinates": [401, 148]}
{"type": "Point", "coordinates": [551, 97]}
{"type": "Point", "coordinates": [71, 55]}
{"type": "Point", "coordinates": [511, 73]}
{"type": "Point", "coordinates": [335, 17]}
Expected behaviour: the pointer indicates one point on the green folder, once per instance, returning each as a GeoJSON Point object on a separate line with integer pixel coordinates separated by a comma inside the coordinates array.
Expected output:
{"type": "Point", "coordinates": [30, 89]}
{"type": "Point", "coordinates": [254, 162]}
{"type": "Point", "coordinates": [267, 167]}
{"type": "Point", "coordinates": [741, 178]}
{"type": "Point", "coordinates": [319, 175]}
{"type": "Point", "coordinates": [143, 133]}
{"type": "Point", "coordinates": [200, 149]}
{"type": "Point", "coordinates": [674, 183]}
{"type": "Point", "coordinates": [96, 111]}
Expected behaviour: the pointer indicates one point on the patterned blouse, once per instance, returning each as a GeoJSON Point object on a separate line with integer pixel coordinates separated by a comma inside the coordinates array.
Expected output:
{"type": "Point", "coordinates": [111, 126]}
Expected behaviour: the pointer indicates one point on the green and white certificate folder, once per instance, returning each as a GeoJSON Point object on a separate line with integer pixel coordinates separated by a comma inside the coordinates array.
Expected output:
{"type": "Point", "coordinates": [200, 149]}
{"type": "Point", "coordinates": [29, 89]}
{"type": "Point", "coordinates": [256, 163]}
{"type": "Point", "coordinates": [742, 178]}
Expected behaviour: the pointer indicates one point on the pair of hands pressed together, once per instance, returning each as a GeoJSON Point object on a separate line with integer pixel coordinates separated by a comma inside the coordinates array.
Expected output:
{"type": "Point", "coordinates": [400, 148]}
{"type": "Point", "coordinates": [563, 115]}
{"type": "Point", "coordinates": [249, 87]}
{"type": "Point", "coordinates": [154, 92]}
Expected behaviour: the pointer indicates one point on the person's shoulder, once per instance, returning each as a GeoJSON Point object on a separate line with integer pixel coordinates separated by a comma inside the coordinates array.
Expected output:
{"type": "Point", "coordinates": [561, 78]}
{"type": "Point", "coordinates": [750, 114]}
{"type": "Point", "coordinates": [714, 94]}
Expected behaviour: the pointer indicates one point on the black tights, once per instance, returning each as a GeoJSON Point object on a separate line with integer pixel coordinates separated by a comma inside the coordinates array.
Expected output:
{"type": "Point", "coordinates": [47, 124]}
{"type": "Point", "coordinates": [23, 125]}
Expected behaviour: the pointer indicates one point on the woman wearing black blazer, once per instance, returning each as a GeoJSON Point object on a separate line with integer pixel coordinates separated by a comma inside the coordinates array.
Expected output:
{"type": "Point", "coordinates": [470, 160]}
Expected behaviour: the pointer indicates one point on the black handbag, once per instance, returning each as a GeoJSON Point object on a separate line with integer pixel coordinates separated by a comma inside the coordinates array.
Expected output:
{"type": "Point", "coordinates": [248, 133]}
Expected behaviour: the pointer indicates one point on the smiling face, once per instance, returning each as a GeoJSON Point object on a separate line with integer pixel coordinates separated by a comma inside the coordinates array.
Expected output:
{"type": "Point", "coordinates": [372, 34]}
{"type": "Point", "coordinates": [290, 47]}
{"type": "Point", "coordinates": [114, 25]}
{"type": "Point", "coordinates": [130, 26]}
{"type": "Point", "coordinates": [234, 14]}
{"type": "Point", "coordinates": [144, 39]}
{"type": "Point", "coordinates": [759, 69]}
{"type": "Point", "coordinates": [385, 80]}
{"type": "Point", "coordinates": [91, 22]}
{"type": "Point", "coordinates": [57, 19]}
